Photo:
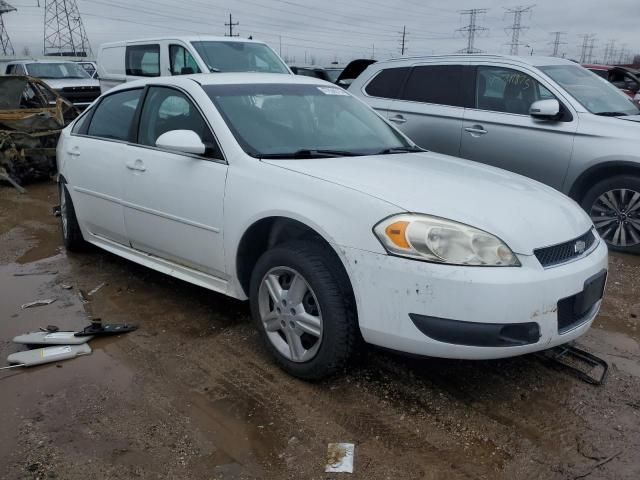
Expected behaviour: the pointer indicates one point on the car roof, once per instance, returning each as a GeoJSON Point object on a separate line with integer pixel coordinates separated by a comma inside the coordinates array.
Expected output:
{"type": "Point", "coordinates": [35, 60]}
{"type": "Point", "coordinates": [535, 61]}
{"type": "Point", "coordinates": [595, 66]}
{"type": "Point", "coordinates": [185, 38]}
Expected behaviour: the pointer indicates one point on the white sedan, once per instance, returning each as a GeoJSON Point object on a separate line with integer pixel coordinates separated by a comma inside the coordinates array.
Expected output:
{"type": "Point", "coordinates": [292, 193]}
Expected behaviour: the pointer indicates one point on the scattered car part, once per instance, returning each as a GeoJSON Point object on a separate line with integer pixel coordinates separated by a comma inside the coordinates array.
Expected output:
{"type": "Point", "coordinates": [51, 338]}
{"type": "Point", "coordinates": [340, 458]}
{"type": "Point", "coordinates": [38, 356]}
{"type": "Point", "coordinates": [97, 328]}
{"type": "Point", "coordinates": [31, 118]}
{"type": "Point", "coordinates": [95, 290]}
{"type": "Point", "coordinates": [582, 364]}
{"type": "Point", "coordinates": [38, 303]}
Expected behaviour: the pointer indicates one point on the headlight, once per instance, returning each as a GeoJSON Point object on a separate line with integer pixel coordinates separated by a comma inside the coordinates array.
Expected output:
{"type": "Point", "coordinates": [435, 239]}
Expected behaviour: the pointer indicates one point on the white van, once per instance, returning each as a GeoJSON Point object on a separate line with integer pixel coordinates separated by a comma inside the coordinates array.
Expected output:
{"type": "Point", "coordinates": [120, 62]}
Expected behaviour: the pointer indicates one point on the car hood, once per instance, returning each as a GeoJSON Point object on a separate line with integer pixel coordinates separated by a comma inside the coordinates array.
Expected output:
{"type": "Point", "coordinates": [631, 118]}
{"type": "Point", "coordinates": [522, 212]}
{"type": "Point", "coordinates": [60, 83]}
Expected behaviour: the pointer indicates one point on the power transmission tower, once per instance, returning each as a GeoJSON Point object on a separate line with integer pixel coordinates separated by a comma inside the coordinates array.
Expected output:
{"type": "Point", "coordinates": [403, 41]}
{"type": "Point", "coordinates": [231, 25]}
{"type": "Point", "coordinates": [623, 54]}
{"type": "Point", "coordinates": [472, 28]}
{"type": "Point", "coordinates": [5, 42]}
{"type": "Point", "coordinates": [592, 44]}
{"type": "Point", "coordinates": [557, 41]}
{"type": "Point", "coordinates": [517, 27]}
{"type": "Point", "coordinates": [588, 39]}
{"type": "Point", "coordinates": [64, 33]}
{"type": "Point", "coordinates": [609, 52]}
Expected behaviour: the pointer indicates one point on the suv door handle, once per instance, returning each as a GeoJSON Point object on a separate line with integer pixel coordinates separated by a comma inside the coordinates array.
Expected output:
{"type": "Point", "coordinates": [476, 130]}
{"type": "Point", "coordinates": [138, 165]}
{"type": "Point", "coordinates": [398, 119]}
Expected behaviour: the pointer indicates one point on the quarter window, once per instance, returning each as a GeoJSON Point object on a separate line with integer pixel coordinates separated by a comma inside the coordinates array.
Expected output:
{"type": "Point", "coordinates": [387, 83]}
{"type": "Point", "coordinates": [182, 62]}
{"type": "Point", "coordinates": [166, 109]}
{"type": "Point", "coordinates": [439, 84]}
{"type": "Point", "coordinates": [113, 116]}
{"type": "Point", "coordinates": [508, 91]}
{"type": "Point", "coordinates": [143, 60]}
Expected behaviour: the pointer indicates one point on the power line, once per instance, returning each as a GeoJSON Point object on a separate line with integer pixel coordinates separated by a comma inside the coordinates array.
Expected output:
{"type": "Point", "coordinates": [472, 28]}
{"type": "Point", "coordinates": [557, 41]}
{"type": "Point", "coordinates": [517, 27]}
{"type": "Point", "coordinates": [231, 25]}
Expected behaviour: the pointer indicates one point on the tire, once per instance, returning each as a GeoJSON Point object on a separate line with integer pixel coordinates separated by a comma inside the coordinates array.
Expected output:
{"type": "Point", "coordinates": [614, 206]}
{"type": "Point", "coordinates": [71, 234]}
{"type": "Point", "coordinates": [324, 323]}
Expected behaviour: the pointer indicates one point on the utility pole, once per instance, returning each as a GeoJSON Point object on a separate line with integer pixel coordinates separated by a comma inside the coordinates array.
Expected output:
{"type": "Point", "coordinates": [373, 51]}
{"type": "Point", "coordinates": [557, 41]}
{"type": "Point", "coordinates": [5, 43]}
{"type": "Point", "coordinates": [403, 42]}
{"type": "Point", "coordinates": [472, 28]}
{"type": "Point", "coordinates": [231, 25]}
{"type": "Point", "coordinates": [280, 40]}
{"type": "Point", "coordinates": [64, 33]}
{"type": "Point", "coordinates": [517, 27]}
{"type": "Point", "coordinates": [587, 39]}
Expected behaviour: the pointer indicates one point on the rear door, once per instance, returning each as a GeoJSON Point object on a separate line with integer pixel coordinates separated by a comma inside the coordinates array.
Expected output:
{"type": "Point", "coordinates": [499, 131]}
{"type": "Point", "coordinates": [430, 108]}
{"type": "Point", "coordinates": [174, 201]}
{"type": "Point", "coordinates": [95, 154]}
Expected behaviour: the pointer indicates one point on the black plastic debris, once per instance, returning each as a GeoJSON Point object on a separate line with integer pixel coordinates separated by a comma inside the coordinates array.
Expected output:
{"type": "Point", "coordinates": [583, 365]}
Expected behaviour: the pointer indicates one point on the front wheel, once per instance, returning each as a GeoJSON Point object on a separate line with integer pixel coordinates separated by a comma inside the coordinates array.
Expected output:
{"type": "Point", "coordinates": [614, 207]}
{"type": "Point", "coordinates": [71, 234]}
{"type": "Point", "coordinates": [303, 309]}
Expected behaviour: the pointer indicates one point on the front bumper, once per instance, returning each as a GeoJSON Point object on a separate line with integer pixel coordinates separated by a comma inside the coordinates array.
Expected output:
{"type": "Point", "coordinates": [389, 289]}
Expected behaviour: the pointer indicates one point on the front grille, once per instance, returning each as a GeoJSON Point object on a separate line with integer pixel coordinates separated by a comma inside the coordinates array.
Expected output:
{"type": "Point", "coordinates": [80, 94]}
{"type": "Point", "coordinates": [565, 252]}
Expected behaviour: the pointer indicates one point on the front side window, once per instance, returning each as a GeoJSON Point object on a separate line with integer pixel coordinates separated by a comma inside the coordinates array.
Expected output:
{"type": "Point", "coordinates": [292, 120]}
{"type": "Point", "coordinates": [143, 60]}
{"type": "Point", "coordinates": [222, 56]}
{"type": "Point", "coordinates": [387, 83]}
{"type": "Point", "coordinates": [56, 70]}
{"type": "Point", "coordinates": [166, 109]}
{"type": "Point", "coordinates": [594, 93]}
{"type": "Point", "coordinates": [438, 84]}
{"type": "Point", "coordinates": [181, 61]}
{"type": "Point", "coordinates": [509, 91]}
{"type": "Point", "coordinates": [113, 116]}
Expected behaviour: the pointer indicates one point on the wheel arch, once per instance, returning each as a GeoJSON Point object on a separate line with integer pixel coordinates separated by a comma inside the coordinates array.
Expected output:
{"type": "Point", "coordinates": [599, 172]}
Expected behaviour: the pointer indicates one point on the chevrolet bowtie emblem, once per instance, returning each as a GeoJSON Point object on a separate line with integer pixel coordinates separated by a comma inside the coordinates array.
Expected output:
{"type": "Point", "coordinates": [579, 247]}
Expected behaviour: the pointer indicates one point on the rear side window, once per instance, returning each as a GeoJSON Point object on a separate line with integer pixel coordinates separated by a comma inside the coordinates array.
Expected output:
{"type": "Point", "coordinates": [387, 83]}
{"type": "Point", "coordinates": [439, 84]}
{"type": "Point", "coordinates": [143, 60]}
{"type": "Point", "coordinates": [113, 116]}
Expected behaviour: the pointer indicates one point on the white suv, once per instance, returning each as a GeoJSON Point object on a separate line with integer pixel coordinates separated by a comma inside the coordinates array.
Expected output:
{"type": "Point", "coordinates": [291, 193]}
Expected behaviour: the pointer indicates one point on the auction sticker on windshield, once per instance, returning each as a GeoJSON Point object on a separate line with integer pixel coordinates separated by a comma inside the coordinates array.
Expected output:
{"type": "Point", "coordinates": [333, 91]}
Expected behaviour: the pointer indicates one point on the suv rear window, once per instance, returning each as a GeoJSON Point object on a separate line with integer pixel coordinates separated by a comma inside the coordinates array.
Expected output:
{"type": "Point", "coordinates": [143, 60]}
{"type": "Point", "coordinates": [438, 84]}
{"type": "Point", "coordinates": [387, 83]}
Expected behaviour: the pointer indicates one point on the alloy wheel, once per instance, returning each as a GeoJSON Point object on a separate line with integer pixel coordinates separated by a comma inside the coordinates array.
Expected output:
{"type": "Point", "coordinates": [616, 216]}
{"type": "Point", "coordinates": [290, 314]}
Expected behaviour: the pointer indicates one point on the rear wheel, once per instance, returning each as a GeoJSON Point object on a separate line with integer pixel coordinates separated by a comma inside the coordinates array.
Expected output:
{"type": "Point", "coordinates": [71, 234]}
{"type": "Point", "coordinates": [303, 309]}
{"type": "Point", "coordinates": [614, 207]}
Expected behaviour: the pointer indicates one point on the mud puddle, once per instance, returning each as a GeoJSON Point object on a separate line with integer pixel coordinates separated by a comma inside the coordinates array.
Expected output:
{"type": "Point", "coordinates": [192, 394]}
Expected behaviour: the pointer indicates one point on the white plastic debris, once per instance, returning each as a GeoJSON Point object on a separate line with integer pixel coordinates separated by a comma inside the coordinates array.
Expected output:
{"type": "Point", "coordinates": [97, 288]}
{"type": "Point", "coordinates": [50, 338]}
{"type": "Point", "coordinates": [38, 303]}
{"type": "Point", "coordinates": [29, 358]}
{"type": "Point", "coordinates": [340, 458]}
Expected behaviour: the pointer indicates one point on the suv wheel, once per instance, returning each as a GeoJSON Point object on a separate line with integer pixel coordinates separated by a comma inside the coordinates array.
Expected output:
{"type": "Point", "coordinates": [302, 310]}
{"type": "Point", "coordinates": [614, 207]}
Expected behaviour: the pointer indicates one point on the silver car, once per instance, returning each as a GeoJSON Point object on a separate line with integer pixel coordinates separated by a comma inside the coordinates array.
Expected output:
{"type": "Point", "coordinates": [547, 118]}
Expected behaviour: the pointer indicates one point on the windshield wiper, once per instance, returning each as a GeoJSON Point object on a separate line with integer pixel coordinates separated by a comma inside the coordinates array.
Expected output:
{"type": "Point", "coordinates": [408, 149]}
{"type": "Point", "coordinates": [307, 153]}
{"type": "Point", "coordinates": [612, 114]}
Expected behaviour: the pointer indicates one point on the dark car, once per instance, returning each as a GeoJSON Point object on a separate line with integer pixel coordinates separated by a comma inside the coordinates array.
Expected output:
{"type": "Point", "coordinates": [626, 79]}
{"type": "Point", "coordinates": [329, 74]}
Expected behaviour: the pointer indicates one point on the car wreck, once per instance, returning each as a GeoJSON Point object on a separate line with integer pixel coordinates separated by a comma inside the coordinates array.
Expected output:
{"type": "Point", "coordinates": [31, 118]}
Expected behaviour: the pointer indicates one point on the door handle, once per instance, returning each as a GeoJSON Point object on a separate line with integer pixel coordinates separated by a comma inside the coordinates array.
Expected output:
{"type": "Point", "coordinates": [476, 130]}
{"type": "Point", "coordinates": [137, 165]}
{"type": "Point", "coordinates": [398, 119]}
{"type": "Point", "coordinates": [74, 152]}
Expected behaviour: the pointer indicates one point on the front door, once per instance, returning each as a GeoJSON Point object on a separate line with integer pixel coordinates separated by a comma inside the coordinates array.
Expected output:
{"type": "Point", "coordinates": [173, 204]}
{"type": "Point", "coordinates": [499, 131]}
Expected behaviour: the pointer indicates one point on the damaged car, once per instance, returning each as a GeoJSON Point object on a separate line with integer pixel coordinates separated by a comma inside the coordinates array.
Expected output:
{"type": "Point", "coordinates": [31, 118]}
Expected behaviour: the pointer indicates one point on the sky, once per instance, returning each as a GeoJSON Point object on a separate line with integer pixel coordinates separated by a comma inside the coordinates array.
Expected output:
{"type": "Point", "coordinates": [320, 32]}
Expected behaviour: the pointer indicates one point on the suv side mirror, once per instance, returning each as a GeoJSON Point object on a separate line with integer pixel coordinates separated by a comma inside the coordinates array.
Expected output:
{"type": "Point", "coordinates": [183, 141]}
{"type": "Point", "coordinates": [545, 109]}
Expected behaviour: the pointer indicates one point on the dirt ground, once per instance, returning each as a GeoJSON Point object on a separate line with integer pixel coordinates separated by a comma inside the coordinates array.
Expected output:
{"type": "Point", "coordinates": [192, 395]}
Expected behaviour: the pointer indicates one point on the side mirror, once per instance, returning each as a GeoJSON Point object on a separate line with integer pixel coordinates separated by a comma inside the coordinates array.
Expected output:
{"type": "Point", "coordinates": [183, 141]}
{"type": "Point", "coordinates": [545, 109]}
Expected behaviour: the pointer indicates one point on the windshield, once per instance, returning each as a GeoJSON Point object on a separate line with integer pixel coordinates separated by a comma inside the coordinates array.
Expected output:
{"type": "Point", "coordinates": [239, 57]}
{"type": "Point", "coordinates": [288, 119]}
{"type": "Point", "coordinates": [594, 93]}
{"type": "Point", "coordinates": [56, 70]}
{"type": "Point", "coordinates": [333, 74]}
